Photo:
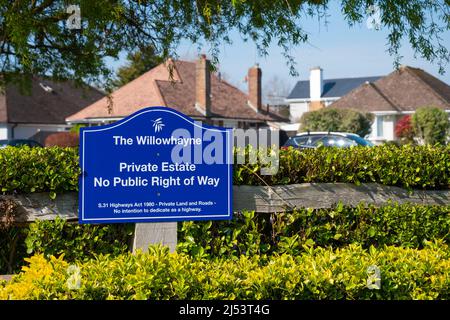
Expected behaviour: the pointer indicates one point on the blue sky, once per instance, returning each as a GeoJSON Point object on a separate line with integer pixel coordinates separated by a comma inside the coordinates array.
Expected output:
{"type": "Point", "coordinates": [341, 51]}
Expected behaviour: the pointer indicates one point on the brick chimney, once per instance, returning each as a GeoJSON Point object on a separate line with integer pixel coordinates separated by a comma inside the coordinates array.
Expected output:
{"type": "Point", "coordinates": [254, 87]}
{"type": "Point", "coordinates": [203, 86]}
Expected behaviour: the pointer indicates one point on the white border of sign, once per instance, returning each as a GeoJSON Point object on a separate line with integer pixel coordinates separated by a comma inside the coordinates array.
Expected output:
{"type": "Point", "coordinates": [168, 110]}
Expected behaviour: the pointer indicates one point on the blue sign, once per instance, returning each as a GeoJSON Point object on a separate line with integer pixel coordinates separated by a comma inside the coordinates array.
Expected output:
{"type": "Point", "coordinates": [155, 165]}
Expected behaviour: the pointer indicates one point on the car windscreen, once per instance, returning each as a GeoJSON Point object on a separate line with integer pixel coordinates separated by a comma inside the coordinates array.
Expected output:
{"type": "Point", "coordinates": [335, 141]}
{"type": "Point", "coordinates": [300, 141]}
{"type": "Point", "coordinates": [361, 141]}
{"type": "Point", "coordinates": [306, 140]}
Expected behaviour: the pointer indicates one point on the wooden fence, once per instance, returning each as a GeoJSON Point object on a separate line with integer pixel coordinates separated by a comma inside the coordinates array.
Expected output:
{"type": "Point", "coordinates": [262, 199]}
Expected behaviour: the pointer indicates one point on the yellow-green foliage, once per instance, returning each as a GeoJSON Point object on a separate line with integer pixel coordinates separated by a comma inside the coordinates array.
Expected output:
{"type": "Point", "coordinates": [56, 237]}
{"type": "Point", "coordinates": [406, 225]}
{"type": "Point", "coordinates": [314, 274]}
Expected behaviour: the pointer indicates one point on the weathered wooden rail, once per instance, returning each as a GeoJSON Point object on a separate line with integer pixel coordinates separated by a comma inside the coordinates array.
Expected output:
{"type": "Point", "coordinates": [262, 199]}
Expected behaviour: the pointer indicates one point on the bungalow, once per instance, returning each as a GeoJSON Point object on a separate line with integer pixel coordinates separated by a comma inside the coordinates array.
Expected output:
{"type": "Point", "coordinates": [316, 93]}
{"type": "Point", "coordinates": [395, 95]}
{"type": "Point", "coordinates": [42, 109]}
{"type": "Point", "coordinates": [188, 87]}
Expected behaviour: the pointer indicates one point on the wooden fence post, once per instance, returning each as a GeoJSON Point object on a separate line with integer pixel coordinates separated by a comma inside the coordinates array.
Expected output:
{"type": "Point", "coordinates": [146, 234]}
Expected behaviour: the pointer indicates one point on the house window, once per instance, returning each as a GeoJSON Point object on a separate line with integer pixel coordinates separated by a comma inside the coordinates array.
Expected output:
{"type": "Point", "coordinates": [380, 126]}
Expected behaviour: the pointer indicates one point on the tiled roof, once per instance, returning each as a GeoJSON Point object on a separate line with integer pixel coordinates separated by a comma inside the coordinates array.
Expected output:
{"type": "Point", "coordinates": [332, 88]}
{"type": "Point", "coordinates": [155, 88]}
{"type": "Point", "coordinates": [405, 89]}
{"type": "Point", "coordinates": [39, 106]}
{"type": "Point", "coordinates": [137, 94]}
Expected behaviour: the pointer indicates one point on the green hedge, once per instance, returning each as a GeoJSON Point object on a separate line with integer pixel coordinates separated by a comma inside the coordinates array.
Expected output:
{"type": "Point", "coordinates": [56, 169]}
{"type": "Point", "coordinates": [315, 274]}
{"type": "Point", "coordinates": [405, 225]}
{"type": "Point", "coordinates": [27, 169]}
{"type": "Point", "coordinates": [76, 242]}
{"type": "Point", "coordinates": [406, 166]}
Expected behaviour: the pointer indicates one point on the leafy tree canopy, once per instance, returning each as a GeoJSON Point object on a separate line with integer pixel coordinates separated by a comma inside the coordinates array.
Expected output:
{"type": "Point", "coordinates": [431, 125]}
{"type": "Point", "coordinates": [34, 38]}
{"type": "Point", "coordinates": [138, 63]}
{"type": "Point", "coordinates": [338, 120]}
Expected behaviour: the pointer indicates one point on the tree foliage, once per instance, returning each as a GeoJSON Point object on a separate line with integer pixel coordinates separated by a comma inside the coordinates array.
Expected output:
{"type": "Point", "coordinates": [431, 124]}
{"type": "Point", "coordinates": [34, 38]}
{"type": "Point", "coordinates": [331, 119]}
{"type": "Point", "coordinates": [138, 63]}
{"type": "Point", "coordinates": [404, 129]}
{"type": "Point", "coordinates": [317, 274]}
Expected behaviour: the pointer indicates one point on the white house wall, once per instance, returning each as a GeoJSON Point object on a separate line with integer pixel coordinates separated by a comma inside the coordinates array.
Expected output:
{"type": "Point", "coordinates": [383, 128]}
{"type": "Point", "coordinates": [296, 110]}
{"type": "Point", "coordinates": [374, 132]}
{"type": "Point", "coordinates": [388, 127]}
{"type": "Point", "coordinates": [4, 131]}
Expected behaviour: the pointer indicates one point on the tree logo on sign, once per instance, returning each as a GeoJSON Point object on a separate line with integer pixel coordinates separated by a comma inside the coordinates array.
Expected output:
{"type": "Point", "coordinates": [158, 125]}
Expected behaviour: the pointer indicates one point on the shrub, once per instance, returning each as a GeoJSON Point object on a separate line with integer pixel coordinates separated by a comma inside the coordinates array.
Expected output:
{"type": "Point", "coordinates": [404, 130]}
{"type": "Point", "coordinates": [315, 274]}
{"type": "Point", "coordinates": [75, 241]}
{"type": "Point", "coordinates": [331, 119]}
{"type": "Point", "coordinates": [58, 237]}
{"type": "Point", "coordinates": [27, 169]}
{"type": "Point", "coordinates": [247, 233]}
{"type": "Point", "coordinates": [406, 225]}
{"type": "Point", "coordinates": [406, 166]}
{"type": "Point", "coordinates": [57, 170]}
{"type": "Point", "coordinates": [12, 249]}
{"type": "Point", "coordinates": [431, 125]}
